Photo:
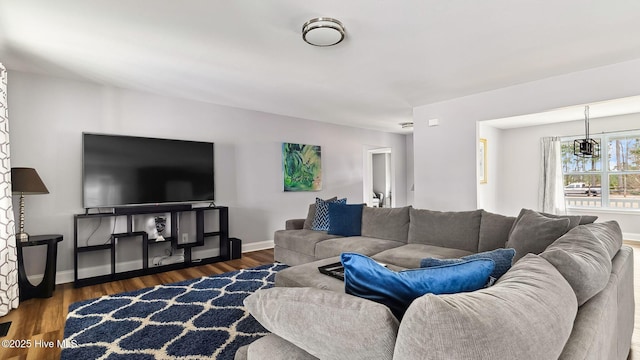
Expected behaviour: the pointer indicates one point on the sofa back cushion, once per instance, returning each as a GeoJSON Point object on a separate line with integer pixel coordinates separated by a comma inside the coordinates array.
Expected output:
{"type": "Point", "coordinates": [582, 257]}
{"type": "Point", "coordinates": [494, 231]}
{"type": "Point", "coordinates": [386, 223]}
{"type": "Point", "coordinates": [527, 315]}
{"type": "Point", "coordinates": [456, 229]}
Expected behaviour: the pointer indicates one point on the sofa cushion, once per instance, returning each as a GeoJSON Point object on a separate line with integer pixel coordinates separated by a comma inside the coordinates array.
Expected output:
{"type": "Point", "coordinates": [301, 241]}
{"type": "Point", "coordinates": [500, 322]}
{"type": "Point", "coordinates": [457, 229]}
{"type": "Point", "coordinates": [386, 223]}
{"type": "Point", "coordinates": [326, 324]}
{"type": "Point", "coordinates": [494, 231]}
{"type": "Point", "coordinates": [533, 232]}
{"type": "Point", "coordinates": [273, 347]}
{"type": "Point", "coordinates": [583, 260]}
{"type": "Point", "coordinates": [321, 219]}
{"type": "Point", "coordinates": [365, 278]}
{"type": "Point", "coordinates": [345, 220]}
{"type": "Point", "coordinates": [360, 244]}
{"type": "Point", "coordinates": [409, 255]}
{"type": "Point", "coordinates": [307, 275]}
{"type": "Point", "coordinates": [502, 257]}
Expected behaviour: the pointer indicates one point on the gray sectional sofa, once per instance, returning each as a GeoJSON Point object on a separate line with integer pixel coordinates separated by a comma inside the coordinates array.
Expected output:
{"type": "Point", "coordinates": [569, 294]}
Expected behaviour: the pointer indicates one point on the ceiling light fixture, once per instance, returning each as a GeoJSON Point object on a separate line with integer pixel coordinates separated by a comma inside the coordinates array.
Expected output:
{"type": "Point", "coordinates": [586, 147]}
{"type": "Point", "coordinates": [323, 31]}
{"type": "Point", "coordinates": [406, 125]}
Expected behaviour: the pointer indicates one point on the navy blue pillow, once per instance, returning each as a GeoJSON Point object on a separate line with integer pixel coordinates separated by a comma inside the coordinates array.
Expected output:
{"type": "Point", "coordinates": [502, 258]}
{"type": "Point", "coordinates": [367, 279]}
{"type": "Point", "coordinates": [345, 219]}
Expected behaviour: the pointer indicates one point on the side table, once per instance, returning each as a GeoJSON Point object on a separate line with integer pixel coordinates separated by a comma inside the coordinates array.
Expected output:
{"type": "Point", "coordinates": [48, 283]}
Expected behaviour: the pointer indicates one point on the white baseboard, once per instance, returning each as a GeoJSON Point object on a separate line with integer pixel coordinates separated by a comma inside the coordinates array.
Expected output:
{"type": "Point", "coordinates": [66, 276]}
{"type": "Point", "coordinates": [631, 237]}
{"type": "Point", "coordinates": [255, 246]}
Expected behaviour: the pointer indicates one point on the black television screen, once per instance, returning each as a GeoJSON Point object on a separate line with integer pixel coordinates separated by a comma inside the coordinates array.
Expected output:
{"type": "Point", "coordinates": [127, 170]}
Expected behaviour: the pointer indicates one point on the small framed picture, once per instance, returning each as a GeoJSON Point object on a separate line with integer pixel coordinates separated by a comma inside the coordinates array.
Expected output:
{"type": "Point", "coordinates": [482, 161]}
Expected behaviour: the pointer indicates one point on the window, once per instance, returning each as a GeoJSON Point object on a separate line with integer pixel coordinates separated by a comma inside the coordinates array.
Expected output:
{"type": "Point", "coordinates": [610, 181]}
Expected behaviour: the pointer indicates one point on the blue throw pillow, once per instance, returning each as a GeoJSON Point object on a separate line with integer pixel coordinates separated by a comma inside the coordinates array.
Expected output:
{"type": "Point", "coordinates": [321, 219]}
{"type": "Point", "coordinates": [366, 278]}
{"type": "Point", "coordinates": [502, 258]}
{"type": "Point", "coordinates": [345, 219]}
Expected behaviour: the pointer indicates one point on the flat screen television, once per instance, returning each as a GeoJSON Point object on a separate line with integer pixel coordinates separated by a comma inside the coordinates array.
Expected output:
{"type": "Point", "coordinates": [127, 170]}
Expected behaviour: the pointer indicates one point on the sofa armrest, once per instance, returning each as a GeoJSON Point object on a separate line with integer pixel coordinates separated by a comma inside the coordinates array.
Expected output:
{"type": "Point", "coordinates": [294, 224]}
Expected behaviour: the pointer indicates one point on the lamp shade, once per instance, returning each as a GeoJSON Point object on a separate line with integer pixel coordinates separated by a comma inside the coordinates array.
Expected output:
{"type": "Point", "coordinates": [27, 181]}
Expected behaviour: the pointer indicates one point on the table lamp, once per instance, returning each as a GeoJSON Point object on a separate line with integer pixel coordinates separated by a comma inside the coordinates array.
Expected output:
{"type": "Point", "coordinates": [25, 181]}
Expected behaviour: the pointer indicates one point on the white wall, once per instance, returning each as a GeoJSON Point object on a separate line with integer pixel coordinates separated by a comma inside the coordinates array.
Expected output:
{"type": "Point", "coordinates": [520, 167]}
{"type": "Point", "coordinates": [48, 116]}
{"type": "Point", "coordinates": [445, 155]}
{"type": "Point", "coordinates": [410, 183]}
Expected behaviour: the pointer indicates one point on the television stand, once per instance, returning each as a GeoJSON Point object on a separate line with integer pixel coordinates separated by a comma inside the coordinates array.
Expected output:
{"type": "Point", "coordinates": [150, 209]}
{"type": "Point", "coordinates": [229, 247]}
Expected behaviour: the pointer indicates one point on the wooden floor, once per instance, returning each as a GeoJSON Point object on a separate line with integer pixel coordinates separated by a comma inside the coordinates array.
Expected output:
{"type": "Point", "coordinates": [43, 319]}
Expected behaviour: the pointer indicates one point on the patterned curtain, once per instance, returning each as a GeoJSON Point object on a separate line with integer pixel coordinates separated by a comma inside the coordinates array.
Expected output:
{"type": "Point", "coordinates": [9, 296]}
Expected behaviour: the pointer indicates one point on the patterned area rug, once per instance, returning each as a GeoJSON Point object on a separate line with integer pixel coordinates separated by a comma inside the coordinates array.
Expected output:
{"type": "Point", "coordinates": [193, 319]}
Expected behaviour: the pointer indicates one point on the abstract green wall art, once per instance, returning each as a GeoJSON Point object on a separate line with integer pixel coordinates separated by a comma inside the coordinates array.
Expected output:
{"type": "Point", "coordinates": [302, 167]}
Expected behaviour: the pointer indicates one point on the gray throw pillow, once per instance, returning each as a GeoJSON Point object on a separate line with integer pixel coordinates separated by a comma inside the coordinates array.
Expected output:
{"type": "Point", "coordinates": [588, 219]}
{"type": "Point", "coordinates": [574, 220]}
{"type": "Point", "coordinates": [326, 324]}
{"type": "Point", "coordinates": [311, 214]}
{"type": "Point", "coordinates": [533, 232]}
{"type": "Point", "coordinates": [494, 231]}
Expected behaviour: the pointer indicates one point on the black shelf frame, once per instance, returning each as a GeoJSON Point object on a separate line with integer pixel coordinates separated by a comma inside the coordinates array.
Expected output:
{"type": "Point", "coordinates": [222, 234]}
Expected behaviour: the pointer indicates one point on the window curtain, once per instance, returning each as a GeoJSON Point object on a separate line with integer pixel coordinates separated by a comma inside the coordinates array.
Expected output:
{"type": "Point", "coordinates": [9, 296]}
{"type": "Point", "coordinates": [551, 191]}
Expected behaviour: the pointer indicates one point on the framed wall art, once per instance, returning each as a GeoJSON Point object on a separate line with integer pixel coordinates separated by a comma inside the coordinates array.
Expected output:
{"type": "Point", "coordinates": [302, 167]}
{"type": "Point", "coordinates": [482, 161]}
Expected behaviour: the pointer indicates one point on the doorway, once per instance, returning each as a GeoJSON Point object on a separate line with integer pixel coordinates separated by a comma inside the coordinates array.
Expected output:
{"type": "Point", "coordinates": [378, 182]}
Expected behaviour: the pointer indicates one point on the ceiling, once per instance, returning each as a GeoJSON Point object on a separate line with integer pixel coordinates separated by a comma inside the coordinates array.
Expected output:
{"type": "Point", "coordinates": [250, 54]}
{"type": "Point", "coordinates": [623, 106]}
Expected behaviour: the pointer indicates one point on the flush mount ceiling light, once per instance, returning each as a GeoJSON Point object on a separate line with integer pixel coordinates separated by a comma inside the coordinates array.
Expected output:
{"type": "Point", "coordinates": [323, 31]}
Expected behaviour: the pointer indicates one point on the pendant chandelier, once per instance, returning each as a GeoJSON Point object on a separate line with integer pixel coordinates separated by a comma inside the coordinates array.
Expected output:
{"type": "Point", "coordinates": [587, 147]}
